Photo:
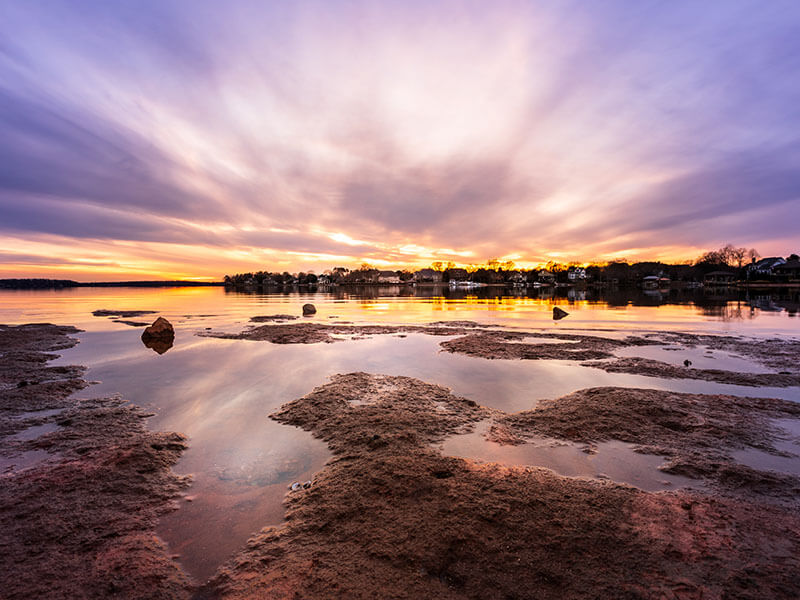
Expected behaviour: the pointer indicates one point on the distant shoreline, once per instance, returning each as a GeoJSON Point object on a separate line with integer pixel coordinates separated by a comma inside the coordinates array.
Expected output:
{"type": "Point", "coordinates": [49, 284]}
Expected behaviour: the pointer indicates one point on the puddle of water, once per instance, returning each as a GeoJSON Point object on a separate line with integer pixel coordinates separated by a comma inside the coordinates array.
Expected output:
{"type": "Point", "coordinates": [701, 357]}
{"type": "Point", "coordinates": [39, 413]}
{"type": "Point", "coordinates": [33, 432]}
{"type": "Point", "coordinates": [11, 465]}
{"type": "Point", "coordinates": [614, 460]}
{"type": "Point", "coordinates": [764, 461]}
{"type": "Point", "coordinates": [219, 515]}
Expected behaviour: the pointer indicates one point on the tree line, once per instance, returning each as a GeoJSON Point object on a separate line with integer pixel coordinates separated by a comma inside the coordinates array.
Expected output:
{"type": "Point", "coordinates": [727, 258]}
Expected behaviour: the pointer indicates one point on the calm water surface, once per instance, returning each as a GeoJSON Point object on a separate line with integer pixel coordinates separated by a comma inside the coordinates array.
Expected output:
{"type": "Point", "coordinates": [220, 392]}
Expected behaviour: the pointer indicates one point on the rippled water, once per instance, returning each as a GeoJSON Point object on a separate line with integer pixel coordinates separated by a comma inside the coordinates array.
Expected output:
{"type": "Point", "coordinates": [220, 392]}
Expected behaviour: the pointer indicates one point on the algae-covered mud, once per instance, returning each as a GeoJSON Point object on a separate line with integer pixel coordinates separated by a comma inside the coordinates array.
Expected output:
{"type": "Point", "coordinates": [351, 453]}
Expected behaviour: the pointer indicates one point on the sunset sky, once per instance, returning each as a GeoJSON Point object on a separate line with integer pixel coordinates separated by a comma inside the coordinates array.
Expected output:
{"type": "Point", "coordinates": [145, 140]}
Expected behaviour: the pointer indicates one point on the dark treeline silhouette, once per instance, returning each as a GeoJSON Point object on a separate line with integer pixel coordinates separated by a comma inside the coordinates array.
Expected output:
{"type": "Point", "coordinates": [37, 284]}
{"type": "Point", "coordinates": [725, 265]}
{"type": "Point", "coordinates": [50, 284]}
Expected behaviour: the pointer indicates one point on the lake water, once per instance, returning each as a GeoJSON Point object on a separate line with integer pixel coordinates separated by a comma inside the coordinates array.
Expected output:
{"type": "Point", "coordinates": [220, 392]}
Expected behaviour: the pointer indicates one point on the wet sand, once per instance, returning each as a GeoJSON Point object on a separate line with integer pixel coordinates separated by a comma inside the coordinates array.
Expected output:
{"type": "Point", "coordinates": [390, 515]}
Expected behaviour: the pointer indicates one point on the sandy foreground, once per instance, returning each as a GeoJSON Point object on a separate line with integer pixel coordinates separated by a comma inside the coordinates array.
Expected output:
{"type": "Point", "coordinates": [391, 517]}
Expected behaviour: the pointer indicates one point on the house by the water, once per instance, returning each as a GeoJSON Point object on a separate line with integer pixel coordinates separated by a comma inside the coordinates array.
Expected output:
{"type": "Point", "coordinates": [718, 278]}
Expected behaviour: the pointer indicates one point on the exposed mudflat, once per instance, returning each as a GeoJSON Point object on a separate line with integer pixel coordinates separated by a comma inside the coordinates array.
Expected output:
{"type": "Point", "coordinates": [517, 345]}
{"type": "Point", "coordinates": [123, 314]}
{"type": "Point", "coordinates": [78, 521]}
{"type": "Point", "coordinates": [389, 516]}
{"type": "Point", "coordinates": [776, 353]}
{"type": "Point", "coordinates": [131, 323]}
{"type": "Point", "coordinates": [270, 318]}
{"type": "Point", "coordinates": [313, 333]}
{"type": "Point", "coordinates": [698, 432]}
{"type": "Point", "coordinates": [657, 368]}
{"type": "Point", "coordinates": [474, 339]}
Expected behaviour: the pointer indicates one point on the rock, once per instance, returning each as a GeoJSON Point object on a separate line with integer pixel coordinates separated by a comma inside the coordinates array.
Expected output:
{"type": "Point", "coordinates": [159, 336]}
{"type": "Point", "coordinates": [309, 309]}
{"type": "Point", "coordinates": [161, 329]}
{"type": "Point", "coordinates": [559, 313]}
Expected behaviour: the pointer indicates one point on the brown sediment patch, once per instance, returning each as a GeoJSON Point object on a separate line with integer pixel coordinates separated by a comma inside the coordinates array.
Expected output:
{"type": "Point", "coordinates": [80, 525]}
{"type": "Point", "coordinates": [657, 368]}
{"type": "Point", "coordinates": [696, 431]}
{"type": "Point", "coordinates": [123, 314]}
{"type": "Point", "coordinates": [269, 318]}
{"type": "Point", "coordinates": [389, 516]}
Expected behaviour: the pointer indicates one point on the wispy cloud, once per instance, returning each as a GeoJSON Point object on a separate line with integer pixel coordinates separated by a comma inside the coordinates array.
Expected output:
{"type": "Point", "coordinates": [195, 138]}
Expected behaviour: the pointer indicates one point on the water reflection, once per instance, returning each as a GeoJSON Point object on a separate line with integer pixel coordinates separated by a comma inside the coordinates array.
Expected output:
{"type": "Point", "coordinates": [609, 460]}
{"type": "Point", "coordinates": [710, 310]}
{"type": "Point", "coordinates": [220, 393]}
{"type": "Point", "coordinates": [159, 346]}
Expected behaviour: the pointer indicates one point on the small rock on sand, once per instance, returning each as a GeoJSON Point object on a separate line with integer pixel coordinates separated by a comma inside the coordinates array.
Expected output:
{"type": "Point", "coordinates": [559, 313]}
{"type": "Point", "coordinates": [309, 309]}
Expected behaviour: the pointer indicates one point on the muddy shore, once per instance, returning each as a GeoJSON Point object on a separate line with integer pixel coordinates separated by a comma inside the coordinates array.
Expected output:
{"type": "Point", "coordinates": [389, 515]}
{"type": "Point", "coordinates": [78, 520]}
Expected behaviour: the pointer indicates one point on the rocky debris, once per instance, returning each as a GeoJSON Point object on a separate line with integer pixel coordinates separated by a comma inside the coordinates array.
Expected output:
{"type": "Point", "coordinates": [160, 336]}
{"type": "Point", "coordinates": [656, 368]}
{"type": "Point", "coordinates": [81, 524]}
{"type": "Point", "coordinates": [297, 486]}
{"type": "Point", "coordinates": [123, 314]}
{"type": "Point", "coordinates": [559, 313]}
{"type": "Point", "coordinates": [309, 309]}
{"type": "Point", "coordinates": [389, 512]}
{"type": "Point", "coordinates": [269, 318]}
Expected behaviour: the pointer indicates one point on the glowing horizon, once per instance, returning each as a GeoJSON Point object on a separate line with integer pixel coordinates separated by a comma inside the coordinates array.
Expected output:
{"type": "Point", "coordinates": [180, 140]}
